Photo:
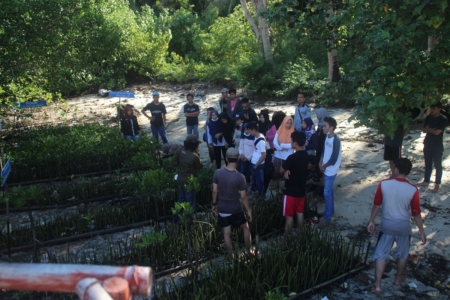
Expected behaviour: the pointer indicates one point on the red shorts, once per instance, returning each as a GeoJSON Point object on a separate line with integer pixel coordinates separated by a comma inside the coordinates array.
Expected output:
{"type": "Point", "coordinates": [292, 205]}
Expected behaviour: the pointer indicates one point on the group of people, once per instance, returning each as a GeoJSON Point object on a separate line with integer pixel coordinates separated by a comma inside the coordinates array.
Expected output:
{"type": "Point", "coordinates": [295, 150]}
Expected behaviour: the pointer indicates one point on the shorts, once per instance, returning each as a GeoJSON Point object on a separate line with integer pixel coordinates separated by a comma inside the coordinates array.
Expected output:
{"type": "Point", "coordinates": [292, 205]}
{"type": "Point", "coordinates": [385, 243]}
{"type": "Point", "coordinates": [392, 153]}
{"type": "Point", "coordinates": [235, 220]}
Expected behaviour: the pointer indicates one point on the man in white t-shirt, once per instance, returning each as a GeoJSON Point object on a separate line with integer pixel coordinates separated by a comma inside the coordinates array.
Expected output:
{"type": "Point", "coordinates": [329, 164]}
{"type": "Point", "coordinates": [258, 159]}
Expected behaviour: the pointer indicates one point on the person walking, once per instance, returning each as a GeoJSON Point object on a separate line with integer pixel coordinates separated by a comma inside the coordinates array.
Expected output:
{"type": "Point", "coordinates": [187, 162]}
{"type": "Point", "coordinates": [302, 110]}
{"type": "Point", "coordinates": [329, 164]}
{"type": "Point", "coordinates": [191, 112]}
{"type": "Point", "coordinates": [158, 117]}
{"type": "Point", "coordinates": [397, 197]}
{"type": "Point", "coordinates": [433, 148]}
{"type": "Point", "coordinates": [228, 186]}
{"type": "Point", "coordinates": [129, 125]}
{"type": "Point", "coordinates": [295, 169]}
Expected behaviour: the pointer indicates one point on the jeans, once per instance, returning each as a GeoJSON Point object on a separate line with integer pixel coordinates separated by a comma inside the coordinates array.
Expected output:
{"type": "Point", "coordinates": [258, 180]}
{"type": "Point", "coordinates": [159, 130]}
{"type": "Point", "coordinates": [184, 196]}
{"type": "Point", "coordinates": [132, 137]}
{"type": "Point", "coordinates": [430, 157]}
{"type": "Point", "coordinates": [245, 168]}
{"type": "Point", "coordinates": [329, 197]}
{"type": "Point", "coordinates": [192, 129]}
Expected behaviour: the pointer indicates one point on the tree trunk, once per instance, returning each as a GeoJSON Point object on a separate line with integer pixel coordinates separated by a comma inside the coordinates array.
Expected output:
{"type": "Point", "coordinates": [333, 62]}
{"type": "Point", "coordinates": [261, 29]}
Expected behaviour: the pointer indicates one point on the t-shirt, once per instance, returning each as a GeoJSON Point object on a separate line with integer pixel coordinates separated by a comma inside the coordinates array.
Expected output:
{"type": "Point", "coordinates": [397, 198]}
{"type": "Point", "coordinates": [332, 153]}
{"type": "Point", "coordinates": [297, 164]}
{"type": "Point", "coordinates": [260, 148]}
{"type": "Point", "coordinates": [191, 109]}
{"type": "Point", "coordinates": [157, 111]}
{"type": "Point", "coordinates": [229, 185]}
{"type": "Point", "coordinates": [435, 142]}
{"type": "Point", "coordinates": [397, 140]}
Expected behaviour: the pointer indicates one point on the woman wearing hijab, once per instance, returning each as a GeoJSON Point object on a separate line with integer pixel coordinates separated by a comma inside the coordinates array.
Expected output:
{"type": "Point", "coordinates": [129, 125]}
{"type": "Point", "coordinates": [227, 129]}
{"type": "Point", "coordinates": [216, 139]}
{"type": "Point", "coordinates": [321, 114]}
{"type": "Point", "coordinates": [311, 138]}
{"type": "Point", "coordinates": [282, 144]}
{"type": "Point", "coordinates": [269, 130]}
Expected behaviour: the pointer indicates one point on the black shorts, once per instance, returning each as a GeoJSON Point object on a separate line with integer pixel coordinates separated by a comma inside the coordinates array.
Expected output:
{"type": "Point", "coordinates": [392, 153]}
{"type": "Point", "coordinates": [235, 220]}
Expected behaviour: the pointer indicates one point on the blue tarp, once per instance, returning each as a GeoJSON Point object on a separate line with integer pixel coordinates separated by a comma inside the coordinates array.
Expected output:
{"type": "Point", "coordinates": [120, 94]}
{"type": "Point", "coordinates": [38, 103]}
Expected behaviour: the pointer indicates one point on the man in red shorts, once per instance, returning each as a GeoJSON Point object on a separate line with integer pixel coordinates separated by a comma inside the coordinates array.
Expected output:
{"type": "Point", "coordinates": [295, 169]}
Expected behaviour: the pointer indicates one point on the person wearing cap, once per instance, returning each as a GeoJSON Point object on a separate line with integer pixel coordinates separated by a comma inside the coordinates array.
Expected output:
{"type": "Point", "coordinates": [228, 186]}
{"type": "Point", "coordinates": [433, 148]}
{"type": "Point", "coordinates": [234, 105]}
{"type": "Point", "coordinates": [187, 162]}
{"type": "Point", "coordinates": [248, 112]}
{"type": "Point", "coordinates": [157, 118]}
{"type": "Point", "coordinates": [223, 100]}
{"type": "Point", "coordinates": [191, 112]}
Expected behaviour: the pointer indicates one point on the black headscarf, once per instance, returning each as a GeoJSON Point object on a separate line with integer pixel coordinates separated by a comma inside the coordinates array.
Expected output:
{"type": "Point", "coordinates": [228, 128]}
{"type": "Point", "coordinates": [264, 127]}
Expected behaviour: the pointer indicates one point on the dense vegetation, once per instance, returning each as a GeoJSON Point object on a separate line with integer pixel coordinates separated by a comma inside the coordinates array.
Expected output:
{"type": "Point", "coordinates": [386, 57]}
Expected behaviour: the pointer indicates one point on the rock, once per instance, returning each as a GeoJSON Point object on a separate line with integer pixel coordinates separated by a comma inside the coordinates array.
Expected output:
{"type": "Point", "coordinates": [363, 277]}
{"type": "Point", "coordinates": [186, 87]}
{"type": "Point", "coordinates": [434, 293]}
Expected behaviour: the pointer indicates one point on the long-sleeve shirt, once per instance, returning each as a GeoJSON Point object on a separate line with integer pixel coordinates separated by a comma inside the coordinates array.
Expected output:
{"type": "Point", "coordinates": [247, 147]}
{"type": "Point", "coordinates": [279, 146]}
{"type": "Point", "coordinates": [270, 135]}
{"type": "Point", "coordinates": [187, 163]}
{"type": "Point", "coordinates": [301, 112]}
{"type": "Point", "coordinates": [332, 154]}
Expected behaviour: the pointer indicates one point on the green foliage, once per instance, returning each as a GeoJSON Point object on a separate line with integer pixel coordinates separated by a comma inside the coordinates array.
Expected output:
{"type": "Point", "coordinates": [155, 181]}
{"type": "Point", "coordinates": [19, 196]}
{"type": "Point", "coordinates": [152, 238]}
{"type": "Point", "coordinates": [184, 211]}
{"type": "Point", "coordinates": [193, 184]}
{"type": "Point", "coordinates": [276, 294]}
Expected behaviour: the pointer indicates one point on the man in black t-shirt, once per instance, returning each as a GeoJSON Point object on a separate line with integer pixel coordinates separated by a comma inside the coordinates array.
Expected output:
{"type": "Point", "coordinates": [191, 112]}
{"type": "Point", "coordinates": [158, 118]}
{"type": "Point", "coordinates": [295, 169]}
{"type": "Point", "coordinates": [248, 112]}
{"type": "Point", "coordinates": [223, 100]}
{"type": "Point", "coordinates": [433, 148]}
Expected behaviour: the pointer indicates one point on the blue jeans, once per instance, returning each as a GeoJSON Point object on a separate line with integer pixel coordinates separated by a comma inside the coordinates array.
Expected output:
{"type": "Point", "coordinates": [192, 129]}
{"type": "Point", "coordinates": [245, 167]}
{"type": "Point", "coordinates": [258, 180]}
{"type": "Point", "coordinates": [433, 156]}
{"type": "Point", "coordinates": [132, 137]}
{"type": "Point", "coordinates": [328, 182]}
{"type": "Point", "coordinates": [159, 130]}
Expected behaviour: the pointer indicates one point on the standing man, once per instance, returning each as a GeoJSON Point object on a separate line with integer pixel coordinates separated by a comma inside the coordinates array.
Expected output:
{"type": "Point", "coordinates": [247, 112]}
{"type": "Point", "coordinates": [191, 112]}
{"type": "Point", "coordinates": [295, 169]}
{"type": "Point", "coordinates": [329, 165]}
{"type": "Point", "coordinates": [187, 162]}
{"type": "Point", "coordinates": [302, 111]}
{"type": "Point", "coordinates": [158, 118]}
{"type": "Point", "coordinates": [234, 105]}
{"type": "Point", "coordinates": [258, 159]}
{"type": "Point", "coordinates": [398, 197]}
{"type": "Point", "coordinates": [223, 100]}
{"type": "Point", "coordinates": [433, 148]}
{"type": "Point", "coordinates": [228, 186]}
{"type": "Point", "coordinates": [393, 147]}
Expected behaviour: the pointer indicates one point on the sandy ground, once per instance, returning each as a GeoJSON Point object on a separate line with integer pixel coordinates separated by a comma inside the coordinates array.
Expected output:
{"type": "Point", "coordinates": [361, 170]}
